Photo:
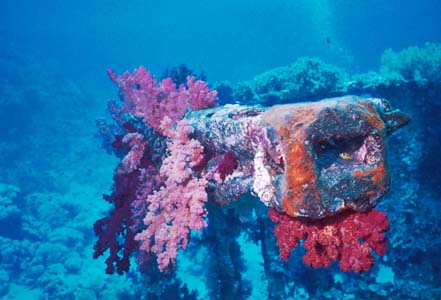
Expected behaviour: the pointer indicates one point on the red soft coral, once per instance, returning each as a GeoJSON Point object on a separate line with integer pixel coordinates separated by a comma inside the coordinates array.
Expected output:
{"type": "Point", "coordinates": [349, 237]}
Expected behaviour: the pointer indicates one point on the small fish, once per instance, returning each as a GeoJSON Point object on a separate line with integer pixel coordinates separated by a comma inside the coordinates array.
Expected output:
{"type": "Point", "coordinates": [345, 156]}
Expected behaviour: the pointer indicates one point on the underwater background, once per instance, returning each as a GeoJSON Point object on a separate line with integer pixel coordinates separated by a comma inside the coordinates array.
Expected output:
{"type": "Point", "coordinates": [54, 167]}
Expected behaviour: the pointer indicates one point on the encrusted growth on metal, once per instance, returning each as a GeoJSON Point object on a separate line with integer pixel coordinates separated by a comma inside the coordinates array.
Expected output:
{"type": "Point", "coordinates": [307, 159]}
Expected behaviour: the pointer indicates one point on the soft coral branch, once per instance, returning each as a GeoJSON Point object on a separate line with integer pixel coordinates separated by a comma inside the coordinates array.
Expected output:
{"type": "Point", "coordinates": [114, 231]}
{"type": "Point", "coordinates": [349, 237]}
{"type": "Point", "coordinates": [178, 206]}
{"type": "Point", "coordinates": [146, 98]}
{"type": "Point", "coordinates": [137, 145]}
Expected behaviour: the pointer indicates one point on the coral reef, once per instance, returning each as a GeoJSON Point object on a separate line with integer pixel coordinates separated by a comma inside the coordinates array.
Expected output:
{"type": "Point", "coordinates": [310, 159]}
{"type": "Point", "coordinates": [306, 79]}
{"type": "Point", "coordinates": [48, 205]}
{"type": "Point", "coordinates": [413, 233]}
{"type": "Point", "coordinates": [50, 254]}
{"type": "Point", "coordinates": [311, 79]}
{"type": "Point", "coordinates": [9, 210]}
{"type": "Point", "coordinates": [414, 64]}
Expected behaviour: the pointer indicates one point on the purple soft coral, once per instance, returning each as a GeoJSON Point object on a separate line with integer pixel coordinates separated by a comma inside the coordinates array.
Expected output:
{"type": "Point", "coordinates": [115, 228]}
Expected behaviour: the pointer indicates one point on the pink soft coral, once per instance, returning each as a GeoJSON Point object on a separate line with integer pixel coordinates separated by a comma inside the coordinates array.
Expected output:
{"type": "Point", "coordinates": [199, 95]}
{"type": "Point", "coordinates": [349, 237]}
{"type": "Point", "coordinates": [178, 206]}
{"type": "Point", "coordinates": [132, 160]}
{"type": "Point", "coordinates": [146, 98]}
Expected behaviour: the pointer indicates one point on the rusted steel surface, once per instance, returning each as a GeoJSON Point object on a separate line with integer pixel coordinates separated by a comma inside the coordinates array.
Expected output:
{"type": "Point", "coordinates": [309, 159]}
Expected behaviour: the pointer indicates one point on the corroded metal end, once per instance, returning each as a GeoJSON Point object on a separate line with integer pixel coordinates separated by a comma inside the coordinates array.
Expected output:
{"type": "Point", "coordinates": [334, 153]}
{"type": "Point", "coordinates": [306, 159]}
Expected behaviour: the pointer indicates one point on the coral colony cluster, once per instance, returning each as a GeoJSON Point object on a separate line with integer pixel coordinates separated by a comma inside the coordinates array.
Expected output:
{"type": "Point", "coordinates": [157, 199]}
{"type": "Point", "coordinates": [244, 165]}
{"type": "Point", "coordinates": [320, 167]}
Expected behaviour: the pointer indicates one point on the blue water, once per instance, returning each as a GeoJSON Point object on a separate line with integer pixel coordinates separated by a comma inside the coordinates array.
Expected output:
{"type": "Point", "coordinates": [54, 170]}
